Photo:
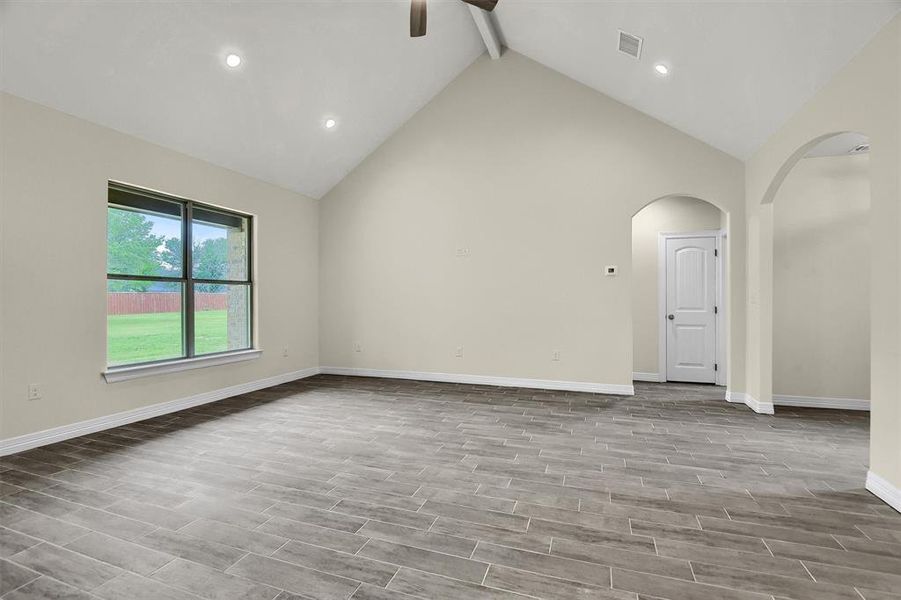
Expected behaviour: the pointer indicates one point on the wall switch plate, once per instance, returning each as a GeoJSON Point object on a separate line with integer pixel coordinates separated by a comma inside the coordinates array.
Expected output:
{"type": "Point", "coordinates": [610, 270]}
{"type": "Point", "coordinates": [463, 252]}
{"type": "Point", "coordinates": [358, 347]}
{"type": "Point", "coordinates": [555, 356]}
{"type": "Point", "coordinates": [459, 352]}
{"type": "Point", "coordinates": [35, 392]}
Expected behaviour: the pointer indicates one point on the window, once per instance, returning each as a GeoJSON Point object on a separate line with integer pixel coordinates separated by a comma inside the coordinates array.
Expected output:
{"type": "Point", "coordinates": [179, 279]}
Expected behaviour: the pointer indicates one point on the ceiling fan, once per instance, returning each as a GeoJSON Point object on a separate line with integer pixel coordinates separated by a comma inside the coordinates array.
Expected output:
{"type": "Point", "coordinates": [418, 13]}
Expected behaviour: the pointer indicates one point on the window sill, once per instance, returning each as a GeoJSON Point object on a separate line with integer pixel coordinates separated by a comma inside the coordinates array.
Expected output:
{"type": "Point", "coordinates": [115, 374]}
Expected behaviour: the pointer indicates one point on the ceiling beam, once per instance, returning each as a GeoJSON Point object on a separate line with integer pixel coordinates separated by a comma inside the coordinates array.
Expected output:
{"type": "Point", "coordinates": [488, 30]}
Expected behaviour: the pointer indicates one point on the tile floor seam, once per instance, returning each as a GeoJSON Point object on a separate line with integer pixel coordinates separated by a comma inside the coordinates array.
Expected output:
{"type": "Point", "coordinates": [543, 423]}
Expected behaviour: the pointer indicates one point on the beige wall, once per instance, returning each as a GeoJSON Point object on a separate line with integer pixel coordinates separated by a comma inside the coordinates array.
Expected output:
{"type": "Point", "coordinates": [821, 293]}
{"type": "Point", "coordinates": [54, 170]}
{"type": "Point", "coordinates": [538, 177]}
{"type": "Point", "coordinates": [863, 97]}
{"type": "Point", "coordinates": [676, 214]}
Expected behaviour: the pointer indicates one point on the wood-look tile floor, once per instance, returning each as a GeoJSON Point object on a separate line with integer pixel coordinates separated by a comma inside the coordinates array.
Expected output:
{"type": "Point", "coordinates": [372, 489]}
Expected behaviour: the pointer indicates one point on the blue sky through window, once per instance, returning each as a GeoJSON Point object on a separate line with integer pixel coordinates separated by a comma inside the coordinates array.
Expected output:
{"type": "Point", "coordinates": [171, 228]}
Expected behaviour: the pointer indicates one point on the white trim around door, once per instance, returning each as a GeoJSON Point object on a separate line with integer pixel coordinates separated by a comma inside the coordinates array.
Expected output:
{"type": "Point", "coordinates": [721, 333]}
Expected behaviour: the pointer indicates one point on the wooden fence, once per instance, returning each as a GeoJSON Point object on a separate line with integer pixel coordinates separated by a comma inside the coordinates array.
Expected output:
{"type": "Point", "coordinates": [137, 303]}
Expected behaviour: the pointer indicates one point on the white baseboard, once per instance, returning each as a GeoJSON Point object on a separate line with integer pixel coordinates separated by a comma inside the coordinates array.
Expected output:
{"type": "Point", "coordinates": [65, 432]}
{"type": "Point", "coordinates": [763, 408]}
{"type": "Point", "coordinates": [541, 384]}
{"type": "Point", "coordinates": [816, 402]}
{"type": "Point", "coordinates": [652, 377]}
{"type": "Point", "coordinates": [799, 401]}
{"type": "Point", "coordinates": [884, 490]}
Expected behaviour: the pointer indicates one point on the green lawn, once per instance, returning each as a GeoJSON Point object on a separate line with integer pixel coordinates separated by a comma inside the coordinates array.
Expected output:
{"type": "Point", "coordinates": [157, 336]}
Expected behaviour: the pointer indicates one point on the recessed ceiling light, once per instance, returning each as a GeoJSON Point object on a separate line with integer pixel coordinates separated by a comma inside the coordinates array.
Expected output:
{"type": "Point", "coordinates": [330, 123]}
{"type": "Point", "coordinates": [661, 69]}
{"type": "Point", "coordinates": [233, 60]}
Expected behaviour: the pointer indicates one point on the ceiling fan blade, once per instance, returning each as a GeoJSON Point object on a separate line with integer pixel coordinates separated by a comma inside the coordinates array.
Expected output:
{"type": "Point", "coordinates": [417, 18]}
{"type": "Point", "coordinates": [483, 4]}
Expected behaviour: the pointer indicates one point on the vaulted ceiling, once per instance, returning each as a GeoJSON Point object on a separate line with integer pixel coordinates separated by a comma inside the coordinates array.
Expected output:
{"type": "Point", "coordinates": [156, 70]}
{"type": "Point", "coordinates": [738, 69]}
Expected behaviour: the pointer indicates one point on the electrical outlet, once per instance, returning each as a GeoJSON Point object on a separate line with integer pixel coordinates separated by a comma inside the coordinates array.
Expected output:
{"type": "Point", "coordinates": [285, 352]}
{"type": "Point", "coordinates": [555, 356]}
{"type": "Point", "coordinates": [463, 252]}
{"type": "Point", "coordinates": [34, 391]}
{"type": "Point", "coordinates": [358, 347]}
{"type": "Point", "coordinates": [459, 352]}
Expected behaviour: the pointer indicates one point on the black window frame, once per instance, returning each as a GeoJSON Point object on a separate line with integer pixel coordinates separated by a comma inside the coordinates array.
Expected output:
{"type": "Point", "coordinates": [145, 200]}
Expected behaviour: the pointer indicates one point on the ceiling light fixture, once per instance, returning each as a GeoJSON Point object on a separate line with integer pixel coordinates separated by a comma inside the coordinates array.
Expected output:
{"type": "Point", "coordinates": [330, 123]}
{"type": "Point", "coordinates": [661, 69]}
{"type": "Point", "coordinates": [233, 60]}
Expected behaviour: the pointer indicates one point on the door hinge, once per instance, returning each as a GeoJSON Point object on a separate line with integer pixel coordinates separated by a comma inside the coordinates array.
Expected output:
{"type": "Point", "coordinates": [716, 367]}
{"type": "Point", "coordinates": [716, 310]}
{"type": "Point", "coordinates": [716, 252]}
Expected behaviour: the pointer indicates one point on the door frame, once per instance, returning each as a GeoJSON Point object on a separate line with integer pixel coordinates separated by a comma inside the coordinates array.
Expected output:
{"type": "Point", "coordinates": [720, 321]}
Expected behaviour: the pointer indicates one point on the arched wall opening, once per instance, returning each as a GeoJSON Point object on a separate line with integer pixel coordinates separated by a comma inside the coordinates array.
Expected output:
{"type": "Point", "coordinates": [815, 277]}
{"type": "Point", "coordinates": [821, 278]}
{"type": "Point", "coordinates": [676, 217]}
{"type": "Point", "coordinates": [863, 96]}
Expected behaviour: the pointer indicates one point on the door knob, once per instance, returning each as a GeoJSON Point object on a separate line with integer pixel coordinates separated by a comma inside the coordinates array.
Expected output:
{"type": "Point", "coordinates": [670, 317]}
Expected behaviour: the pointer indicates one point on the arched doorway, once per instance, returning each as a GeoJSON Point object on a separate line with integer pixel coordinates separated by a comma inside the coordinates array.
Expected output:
{"type": "Point", "coordinates": [814, 277]}
{"type": "Point", "coordinates": [821, 278]}
{"type": "Point", "coordinates": [679, 243]}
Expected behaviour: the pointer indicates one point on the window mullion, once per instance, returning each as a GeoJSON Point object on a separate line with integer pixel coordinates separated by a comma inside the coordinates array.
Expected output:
{"type": "Point", "coordinates": [121, 277]}
{"type": "Point", "coordinates": [188, 266]}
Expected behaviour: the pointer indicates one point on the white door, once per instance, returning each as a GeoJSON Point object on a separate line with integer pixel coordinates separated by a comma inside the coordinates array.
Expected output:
{"type": "Point", "coordinates": [691, 309]}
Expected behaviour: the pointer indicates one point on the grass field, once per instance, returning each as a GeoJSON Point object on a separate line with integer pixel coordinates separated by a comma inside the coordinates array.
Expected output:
{"type": "Point", "coordinates": [157, 336]}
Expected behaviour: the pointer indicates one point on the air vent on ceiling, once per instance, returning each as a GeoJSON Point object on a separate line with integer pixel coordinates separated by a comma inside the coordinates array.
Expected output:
{"type": "Point", "coordinates": [860, 149]}
{"type": "Point", "coordinates": [630, 44]}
